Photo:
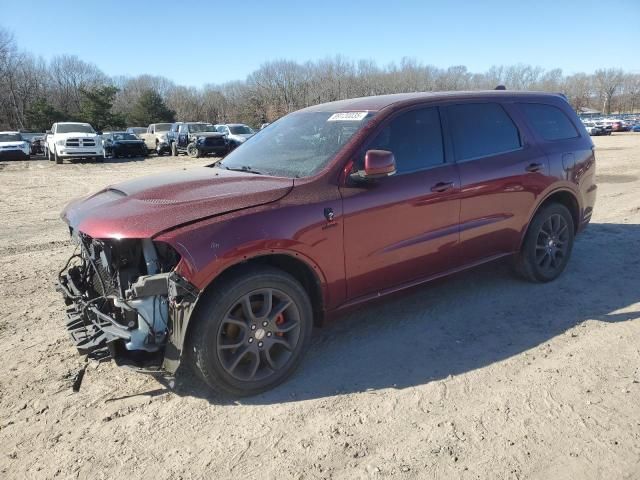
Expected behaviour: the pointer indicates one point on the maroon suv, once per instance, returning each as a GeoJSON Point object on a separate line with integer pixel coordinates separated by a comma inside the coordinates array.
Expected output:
{"type": "Point", "coordinates": [230, 266]}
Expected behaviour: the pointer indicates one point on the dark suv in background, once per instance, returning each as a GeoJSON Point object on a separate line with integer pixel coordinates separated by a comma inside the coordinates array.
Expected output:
{"type": "Point", "coordinates": [197, 139]}
{"type": "Point", "coordinates": [230, 266]}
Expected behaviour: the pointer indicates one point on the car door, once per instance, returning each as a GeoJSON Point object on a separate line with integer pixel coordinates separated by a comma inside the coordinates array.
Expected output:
{"type": "Point", "coordinates": [404, 227]}
{"type": "Point", "coordinates": [502, 172]}
{"type": "Point", "coordinates": [183, 136]}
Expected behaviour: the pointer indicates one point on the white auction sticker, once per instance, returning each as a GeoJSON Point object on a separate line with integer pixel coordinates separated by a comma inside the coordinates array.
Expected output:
{"type": "Point", "coordinates": [347, 116]}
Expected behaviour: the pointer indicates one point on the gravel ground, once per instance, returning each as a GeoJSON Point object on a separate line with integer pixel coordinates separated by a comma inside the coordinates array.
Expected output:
{"type": "Point", "coordinates": [479, 375]}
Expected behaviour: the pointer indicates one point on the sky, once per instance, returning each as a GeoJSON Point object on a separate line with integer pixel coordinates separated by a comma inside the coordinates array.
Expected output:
{"type": "Point", "coordinates": [196, 42]}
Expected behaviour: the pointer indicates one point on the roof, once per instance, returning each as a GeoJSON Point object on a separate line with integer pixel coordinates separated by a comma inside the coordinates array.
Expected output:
{"type": "Point", "coordinates": [378, 102]}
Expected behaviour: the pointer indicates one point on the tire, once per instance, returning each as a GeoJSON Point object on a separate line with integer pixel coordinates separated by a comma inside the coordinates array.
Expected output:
{"type": "Point", "coordinates": [548, 244]}
{"type": "Point", "coordinates": [49, 156]}
{"type": "Point", "coordinates": [255, 358]}
{"type": "Point", "coordinates": [174, 149]}
{"type": "Point", "coordinates": [99, 159]}
{"type": "Point", "coordinates": [28, 157]}
{"type": "Point", "coordinates": [193, 151]}
{"type": "Point", "coordinates": [58, 159]}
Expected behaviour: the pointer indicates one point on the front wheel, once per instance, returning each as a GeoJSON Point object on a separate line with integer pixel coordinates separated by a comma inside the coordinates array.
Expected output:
{"type": "Point", "coordinates": [250, 332]}
{"type": "Point", "coordinates": [174, 149]}
{"type": "Point", "coordinates": [192, 150]}
{"type": "Point", "coordinates": [57, 157]}
{"type": "Point", "coordinates": [547, 245]}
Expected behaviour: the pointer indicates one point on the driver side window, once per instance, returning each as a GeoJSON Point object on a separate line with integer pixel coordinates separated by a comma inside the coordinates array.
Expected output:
{"type": "Point", "coordinates": [414, 138]}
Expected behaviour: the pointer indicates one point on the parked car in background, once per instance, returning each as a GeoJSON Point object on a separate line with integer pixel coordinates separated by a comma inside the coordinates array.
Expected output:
{"type": "Point", "coordinates": [137, 131]}
{"type": "Point", "coordinates": [123, 144]}
{"type": "Point", "coordinates": [155, 137]}
{"type": "Point", "coordinates": [73, 140]}
{"type": "Point", "coordinates": [227, 268]}
{"type": "Point", "coordinates": [237, 133]}
{"type": "Point", "coordinates": [172, 137]}
{"type": "Point", "coordinates": [36, 141]}
{"type": "Point", "coordinates": [635, 128]}
{"type": "Point", "coordinates": [594, 130]}
{"type": "Point", "coordinates": [198, 139]}
{"type": "Point", "coordinates": [13, 146]}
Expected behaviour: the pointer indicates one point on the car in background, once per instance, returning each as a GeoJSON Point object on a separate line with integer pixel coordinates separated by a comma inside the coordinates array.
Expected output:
{"type": "Point", "coordinates": [36, 141]}
{"type": "Point", "coordinates": [123, 144]}
{"type": "Point", "coordinates": [198, 139]}
{"type": "Point", "coordinates": [13, 146]}
{"type": "Point", "coordinates": [155, 137]}
{"type": "Point", "coordinates": [237, 133]}
{"type": "Point", "coordinates": [137, 131]}
{"type": "Point", "coordinates": [73, 140]}
{"type": "Point", "coordinates": [593, 129]}
{"type": "Point", "coordinates": [635, 128]}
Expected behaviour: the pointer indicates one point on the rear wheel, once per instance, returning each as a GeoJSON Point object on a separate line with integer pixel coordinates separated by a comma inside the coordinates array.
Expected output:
{"type": "Point", "coordinates": [250, 333]}
{"type": "Point", "coordinates": [547, 245]}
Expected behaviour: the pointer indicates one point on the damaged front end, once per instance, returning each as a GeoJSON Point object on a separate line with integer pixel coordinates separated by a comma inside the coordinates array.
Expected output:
{"type": "Point", "coordinates": [124, 300]}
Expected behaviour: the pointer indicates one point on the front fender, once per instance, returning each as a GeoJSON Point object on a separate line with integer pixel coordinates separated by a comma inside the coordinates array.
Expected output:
{"type": "Point", "coordinates": [210, 247]}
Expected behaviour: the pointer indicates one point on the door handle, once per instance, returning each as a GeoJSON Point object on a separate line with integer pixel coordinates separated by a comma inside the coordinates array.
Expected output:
{"type": "Point", "coordinates": [534, 167]}
{"type": "Point", "coordinates": [442, 187]}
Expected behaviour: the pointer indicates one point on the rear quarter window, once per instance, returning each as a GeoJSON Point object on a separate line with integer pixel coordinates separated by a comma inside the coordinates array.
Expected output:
{"type": "Point", "coordinates": [549, 122]}
{"type": "Point", "coordinates": [480, 130]}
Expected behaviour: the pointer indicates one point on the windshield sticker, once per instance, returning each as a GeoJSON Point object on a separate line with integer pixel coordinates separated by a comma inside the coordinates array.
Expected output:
{"type": "Point", "coordinates": [347, 117]}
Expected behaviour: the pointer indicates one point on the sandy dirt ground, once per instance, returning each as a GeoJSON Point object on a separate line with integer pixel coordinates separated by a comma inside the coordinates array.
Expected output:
{"type": "Point", "coordinates": [476, 376]}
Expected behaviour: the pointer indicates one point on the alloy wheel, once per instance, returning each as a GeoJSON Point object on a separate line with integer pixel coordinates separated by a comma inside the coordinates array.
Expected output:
{"type": "Point", "coordinates": [258, 335]}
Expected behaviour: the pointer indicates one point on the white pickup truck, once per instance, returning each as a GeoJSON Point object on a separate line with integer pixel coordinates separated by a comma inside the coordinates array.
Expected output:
{"type": "Point", "coordinates": [73, 140]}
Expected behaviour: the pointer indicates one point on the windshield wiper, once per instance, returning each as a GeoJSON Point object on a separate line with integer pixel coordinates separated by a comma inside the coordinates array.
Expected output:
{"type": "Point", "coordinates": [244, 168]}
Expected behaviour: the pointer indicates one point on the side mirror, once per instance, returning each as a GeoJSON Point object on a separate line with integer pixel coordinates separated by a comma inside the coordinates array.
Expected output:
{"type": "Point", "coordinates": [377, 164]}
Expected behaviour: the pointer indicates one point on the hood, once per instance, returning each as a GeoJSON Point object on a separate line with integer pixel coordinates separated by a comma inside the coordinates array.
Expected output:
{"type": "Point", "coordinates": [19, 144]}
{"type": "Point", "coordinates": [60, 136]}
{"type": "Point", "coordinates": [206, 134]}
{"type": "Point", "coordinates": [240, 136]}
{"type": "Point", "coordinates": [147, 206]}
{"type": "Point", "coordinates": [128, 142]}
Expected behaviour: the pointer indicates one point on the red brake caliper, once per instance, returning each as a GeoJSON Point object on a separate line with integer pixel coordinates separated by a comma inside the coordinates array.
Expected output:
{"type": "Point", "coordinates": [279, 321]}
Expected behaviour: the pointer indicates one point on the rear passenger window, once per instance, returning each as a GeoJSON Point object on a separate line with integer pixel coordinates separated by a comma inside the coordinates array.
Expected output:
{"type": "Point", "coordinates": [481, 129]}
{"type": "Point", "coordinates": [414, 138]}
{"type": "Point", "coordinates": [548, 121]}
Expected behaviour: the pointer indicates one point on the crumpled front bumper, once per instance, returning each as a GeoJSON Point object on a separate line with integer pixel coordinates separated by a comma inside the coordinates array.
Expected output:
{"type": "Point", "coordinates": [97, 334]}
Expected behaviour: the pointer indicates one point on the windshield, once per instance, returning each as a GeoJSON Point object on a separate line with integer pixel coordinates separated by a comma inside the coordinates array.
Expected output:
{"type": "Point", "coordinates": [10, 137]}
{"type": "Point", "coordinates": [138, 129]}
{"type": "Point", "coordinates": [201, 127]}
{"type": "Point", "coordinates": [240, 130]}
{"type": "Point", "coordinates": [163, 127]}
{"type": "Point", "coordinates": [124, 136]}
{"type": "Point", "coordinates": [298, 145]}
{"type": "Point", "coordinates": [74, 128]}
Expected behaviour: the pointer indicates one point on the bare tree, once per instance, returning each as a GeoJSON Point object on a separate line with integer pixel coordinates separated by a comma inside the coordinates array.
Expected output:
{"type": "Point", "coordinates": [608, 81]}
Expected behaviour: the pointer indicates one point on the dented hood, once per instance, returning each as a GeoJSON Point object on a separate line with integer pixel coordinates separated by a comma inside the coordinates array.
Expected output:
{"type": "Point", "coordinates": [147, 206]}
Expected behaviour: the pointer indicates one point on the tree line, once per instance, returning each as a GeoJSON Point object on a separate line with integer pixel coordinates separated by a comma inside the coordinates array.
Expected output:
{"type": "Point", "coordinates": [35, 93]}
